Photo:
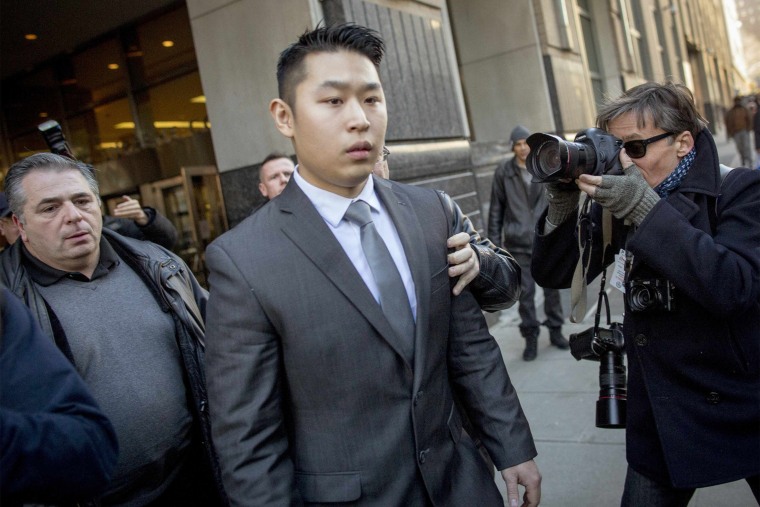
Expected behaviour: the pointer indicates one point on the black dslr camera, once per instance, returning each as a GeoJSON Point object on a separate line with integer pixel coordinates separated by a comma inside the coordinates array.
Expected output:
{"type": "Point", "coordinates": [594, 151]}
{"type": "Point", "coordinates": [607, 347]}
{"type": "Point", "coordinates": [650, 294]}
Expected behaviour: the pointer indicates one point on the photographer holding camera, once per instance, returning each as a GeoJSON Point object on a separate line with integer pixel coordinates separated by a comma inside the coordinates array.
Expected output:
{"type": "Point", "coordinates": [688, 235]}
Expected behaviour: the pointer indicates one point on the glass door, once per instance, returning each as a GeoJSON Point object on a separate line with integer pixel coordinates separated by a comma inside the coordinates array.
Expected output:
{"type": "Point", "coordinates": [193, 202]}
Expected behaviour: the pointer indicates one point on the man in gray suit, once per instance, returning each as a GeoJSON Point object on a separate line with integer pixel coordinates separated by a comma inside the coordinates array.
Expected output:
{"type": "Point", "coordinates": [317, 394]}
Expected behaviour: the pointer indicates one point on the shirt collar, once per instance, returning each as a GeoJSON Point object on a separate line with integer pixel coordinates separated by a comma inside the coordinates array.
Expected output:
{"type": "Point", "coordinates": [45, 275]}
{"type": "Point", "coordinates": [332, 206]}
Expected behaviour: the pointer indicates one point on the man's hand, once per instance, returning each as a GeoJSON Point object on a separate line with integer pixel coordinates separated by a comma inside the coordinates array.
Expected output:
{"type": "Point", "coordinates": [131, 209]}
{"type": "Point", "coordinates": [464, 261]}
{"type": "Point", "coordinates": [527, 475]}
{"type": "Point", "coordinates": [627, 197]}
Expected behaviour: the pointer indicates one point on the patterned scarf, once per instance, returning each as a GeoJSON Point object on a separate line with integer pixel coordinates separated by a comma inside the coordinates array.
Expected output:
{"type": "Point", "coordinates": [673, 181]}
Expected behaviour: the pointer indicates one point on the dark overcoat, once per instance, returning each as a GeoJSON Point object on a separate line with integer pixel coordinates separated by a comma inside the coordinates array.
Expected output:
{"type": "Point", "coordinates": [694, 373]}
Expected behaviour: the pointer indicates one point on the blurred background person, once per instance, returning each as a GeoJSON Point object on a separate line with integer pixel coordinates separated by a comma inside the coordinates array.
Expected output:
{"type": "Point", "coordinates": [738, 125]}
{"type": "Point", "coordinates": [516, 205]}
{"type": "Point", "coordinates": [274, 174]}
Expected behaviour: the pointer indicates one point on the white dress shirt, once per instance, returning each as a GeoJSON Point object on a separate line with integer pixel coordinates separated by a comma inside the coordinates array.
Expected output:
{"type": "Point", "coordinates": [332, 207]}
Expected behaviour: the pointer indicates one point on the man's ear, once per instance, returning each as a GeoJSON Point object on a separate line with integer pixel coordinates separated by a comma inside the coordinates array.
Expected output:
{"type": "Point", "coordinates": [686, 143]}
{"type": "Point", "coordinates": [263, 190]}
{"type": "Point", "coordinates": [20, 227]}
{"type": "Point", "coordinates": [283, 117]}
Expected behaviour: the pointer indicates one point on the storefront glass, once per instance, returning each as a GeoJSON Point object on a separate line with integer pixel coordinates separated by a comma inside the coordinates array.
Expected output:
{"type": "Point", "coordinates": [131, 92]}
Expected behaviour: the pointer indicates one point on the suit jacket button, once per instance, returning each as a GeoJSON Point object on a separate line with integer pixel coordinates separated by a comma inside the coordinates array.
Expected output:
{"type": "Point", "coordinates": [713, 397]}
{"type": "Point", "coordinates": [641, 340]}
{"type": "Point", "coordinates": [422, 456]}
{"type": "Point", "coordinates": [418, 397]}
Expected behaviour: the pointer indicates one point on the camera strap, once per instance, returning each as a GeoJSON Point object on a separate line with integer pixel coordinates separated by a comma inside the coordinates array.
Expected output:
{"type": "Point", "coordinates": [579, 285]}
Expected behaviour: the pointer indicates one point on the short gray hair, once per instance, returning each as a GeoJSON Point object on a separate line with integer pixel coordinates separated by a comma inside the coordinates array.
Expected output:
{"type": "Point", "coordinates": [670, 106]}
{"type": "Point", "coordinates": [14, 190]}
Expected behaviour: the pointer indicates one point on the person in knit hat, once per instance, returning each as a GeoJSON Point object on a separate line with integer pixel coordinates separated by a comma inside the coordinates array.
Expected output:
{"type": "Point", "coordinates": [516, 204]}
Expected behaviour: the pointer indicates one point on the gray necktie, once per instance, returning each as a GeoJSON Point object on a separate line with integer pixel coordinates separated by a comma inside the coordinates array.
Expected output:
{"type": "Point", "coordinates": [393, 298]}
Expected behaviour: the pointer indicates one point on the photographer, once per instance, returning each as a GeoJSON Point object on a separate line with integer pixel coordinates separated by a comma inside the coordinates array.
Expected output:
{"type": "Point", "coordinates": [691, 239]}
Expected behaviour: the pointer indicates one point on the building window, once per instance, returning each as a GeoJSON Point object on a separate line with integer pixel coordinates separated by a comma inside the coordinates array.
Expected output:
{"type": "Point", "coordinates": [638, 32]}
{"type": "Point", "coordinates": [592, 51]}
{"type": "Point", "coordinates": [92, 77]}
{"type": "Point", "coordinates": [133, 90]}
{"type": "Point", "coordinates": [662, 39]}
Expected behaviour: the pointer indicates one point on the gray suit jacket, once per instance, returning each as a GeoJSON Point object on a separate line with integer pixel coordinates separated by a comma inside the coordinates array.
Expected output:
{"type": "Point", "coordinates": [312, 400]}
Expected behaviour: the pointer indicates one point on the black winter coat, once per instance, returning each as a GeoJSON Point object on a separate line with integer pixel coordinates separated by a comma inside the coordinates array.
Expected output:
{"type": "Point", "coordinates": [515, 208]}
{"type": "Point", "coordinates": [694, 373]}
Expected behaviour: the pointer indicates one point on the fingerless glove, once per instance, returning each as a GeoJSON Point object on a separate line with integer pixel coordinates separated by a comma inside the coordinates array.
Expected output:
{"type": "Point", "coordinates": [627, 197]}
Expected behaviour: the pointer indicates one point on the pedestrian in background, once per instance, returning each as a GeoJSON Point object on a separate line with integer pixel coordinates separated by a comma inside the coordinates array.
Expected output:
{"type": "Point", "coordinates": [738, 125]}
{"type": "Point", "coordinates": [274, 174]}
{"type": "Point", "coordinates": [516, 205]}
{"type": "Point", "coordinates": [689, 235]}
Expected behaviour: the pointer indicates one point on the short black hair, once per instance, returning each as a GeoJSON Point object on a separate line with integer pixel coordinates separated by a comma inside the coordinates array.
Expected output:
{"type": "Point", "coordinates": [275, 155]}
{"type": "Point", "coordinates": [669, 105]}
{"type": "Point", "coordinates": [324, 39]}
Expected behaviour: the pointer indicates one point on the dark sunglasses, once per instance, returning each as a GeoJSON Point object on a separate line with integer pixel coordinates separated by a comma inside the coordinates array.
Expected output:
{"type": "Point", "coordinates": [638, 148]}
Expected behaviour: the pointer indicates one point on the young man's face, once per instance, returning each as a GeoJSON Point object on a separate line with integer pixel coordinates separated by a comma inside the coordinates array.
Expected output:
{"type": "Point", "coordinates": [338, 122]}
{"type": "Point", "coordinates": [274, 175]}
{"type": "Point", "coordinates": [521, 150]}
{"type": "Point", "coordinates": [62, 221]}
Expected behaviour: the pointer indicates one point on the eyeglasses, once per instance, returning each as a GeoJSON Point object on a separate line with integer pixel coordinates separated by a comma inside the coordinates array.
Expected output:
{"type": "Point", "coordinates": [638, 148]}
{"type": "Point", "coordinates": [386, 152]}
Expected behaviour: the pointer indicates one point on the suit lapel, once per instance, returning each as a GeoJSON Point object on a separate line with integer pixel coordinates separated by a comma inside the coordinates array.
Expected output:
{"type": "Point", "coordinates": [413, 240]}
{"type": "Point", "coordinates": [304, 226]}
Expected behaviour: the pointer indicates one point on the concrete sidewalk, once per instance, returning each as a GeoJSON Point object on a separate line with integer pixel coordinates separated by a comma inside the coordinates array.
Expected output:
{"type": "Point", "coordinates": [582, 465]}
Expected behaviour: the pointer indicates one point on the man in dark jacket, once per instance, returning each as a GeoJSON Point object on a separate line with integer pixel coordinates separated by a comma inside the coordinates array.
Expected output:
{"type": "Point", "coordinates": [129, 315]}
{"type": "Point", "coordinates": [689, 239]}
{"type": "Point", "coordinates": [516, 204]}
{"type": "Point", "coordinates": [57, 445]}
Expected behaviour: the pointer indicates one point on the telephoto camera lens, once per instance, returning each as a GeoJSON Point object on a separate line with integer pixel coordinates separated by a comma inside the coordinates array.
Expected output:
{"type": "Point", "coordinates": [611, 405]}
{"type": "Point", "coordinates": [552, 158]}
